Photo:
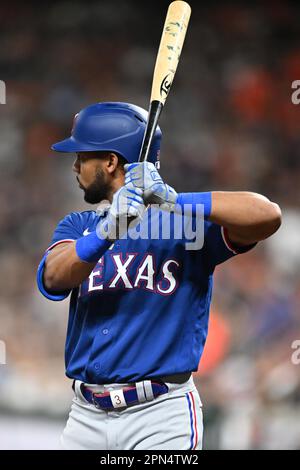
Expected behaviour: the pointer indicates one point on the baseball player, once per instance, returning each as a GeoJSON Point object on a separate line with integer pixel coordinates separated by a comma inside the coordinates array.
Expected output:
{"type": "Point", "coordinates": [139, 306]}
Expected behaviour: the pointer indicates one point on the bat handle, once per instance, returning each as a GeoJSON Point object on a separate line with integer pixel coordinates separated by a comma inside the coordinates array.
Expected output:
{"type": "Point", "coordinates": [154, 113]}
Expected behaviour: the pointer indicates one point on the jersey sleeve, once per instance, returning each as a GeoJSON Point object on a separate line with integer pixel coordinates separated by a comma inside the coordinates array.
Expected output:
{"type": "Point", "coordinates": [218, 247]}
{"type": "Point", "coordinates": [68, 229]}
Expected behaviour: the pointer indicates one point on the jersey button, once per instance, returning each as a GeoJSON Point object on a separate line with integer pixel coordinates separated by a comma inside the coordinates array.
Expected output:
{"type": "Point", "coordinates": [105, 331]}
{"type": "Point", "coordinates": [97, 365]}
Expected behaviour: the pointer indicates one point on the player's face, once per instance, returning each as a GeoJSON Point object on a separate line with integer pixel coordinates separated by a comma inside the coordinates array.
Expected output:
{"type": "Point", "coordinates": [92, 177]}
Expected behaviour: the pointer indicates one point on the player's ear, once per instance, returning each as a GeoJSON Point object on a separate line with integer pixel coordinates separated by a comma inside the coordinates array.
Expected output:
{"type": "Point", "coordinates": [112, 162]}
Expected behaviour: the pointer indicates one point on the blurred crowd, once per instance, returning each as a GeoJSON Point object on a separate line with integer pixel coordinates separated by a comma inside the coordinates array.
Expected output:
{"type": "Point", "coordinates": [229, 124]}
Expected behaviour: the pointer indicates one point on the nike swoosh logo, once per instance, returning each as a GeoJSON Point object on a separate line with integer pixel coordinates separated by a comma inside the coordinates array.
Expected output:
{"type": "Point", "coordinates": [86, 232]}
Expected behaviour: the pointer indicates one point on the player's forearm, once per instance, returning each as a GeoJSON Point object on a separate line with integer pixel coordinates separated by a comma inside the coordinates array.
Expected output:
{"type": "Point", "coordinates": [69, 265]}
{"type": "Point", "coordinates": [64, 269]}
{"type": "Point", "coordinates": [249, 217]}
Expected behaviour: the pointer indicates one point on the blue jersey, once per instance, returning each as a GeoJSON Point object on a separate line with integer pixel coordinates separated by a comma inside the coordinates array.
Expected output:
{"type": "Point", "coordinates": [143, 311]}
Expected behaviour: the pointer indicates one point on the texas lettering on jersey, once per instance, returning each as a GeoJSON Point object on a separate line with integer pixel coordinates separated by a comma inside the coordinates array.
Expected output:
{"type": "Point", "coordinates": [126, 276]}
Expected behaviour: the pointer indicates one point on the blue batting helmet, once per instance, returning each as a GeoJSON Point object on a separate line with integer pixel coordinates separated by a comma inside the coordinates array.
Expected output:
{"type": "Point", "coordinates": [111, 127]}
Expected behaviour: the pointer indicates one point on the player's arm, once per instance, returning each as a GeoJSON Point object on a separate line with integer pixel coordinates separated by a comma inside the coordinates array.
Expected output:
{"type": "Point", "coordinates": [68, 264]}
{"type": "Point", "coordinates": [248, 217]}
{"type": "Point", "coordinates": [64, 269]}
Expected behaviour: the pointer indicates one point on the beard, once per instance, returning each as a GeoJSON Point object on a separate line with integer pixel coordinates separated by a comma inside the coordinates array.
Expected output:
{"type": "Point", "coordinates": [99, 190]}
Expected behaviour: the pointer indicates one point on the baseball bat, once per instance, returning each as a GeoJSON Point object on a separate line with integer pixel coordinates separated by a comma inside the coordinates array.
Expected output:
{"type": "Point", "coordinates": [167, 59]}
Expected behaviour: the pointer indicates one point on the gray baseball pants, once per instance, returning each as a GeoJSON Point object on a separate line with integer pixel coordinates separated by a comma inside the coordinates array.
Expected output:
{"type": "Point", "coordinates": [172, 421]}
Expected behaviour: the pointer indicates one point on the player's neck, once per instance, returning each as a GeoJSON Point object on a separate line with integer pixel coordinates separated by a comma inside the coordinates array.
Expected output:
{"type": "Point", "coordinates": [116, 185]}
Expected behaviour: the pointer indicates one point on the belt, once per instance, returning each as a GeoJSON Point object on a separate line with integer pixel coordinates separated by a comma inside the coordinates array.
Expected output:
{"type": "Point", "coordinates": [176, 378]}
{"type": "Point", "coordinates": [140, 392]}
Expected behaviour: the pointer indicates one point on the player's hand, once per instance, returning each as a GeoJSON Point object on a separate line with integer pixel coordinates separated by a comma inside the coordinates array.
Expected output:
{"type": "Point", "coordinates": [127, 210]}
{"type": "Point", "coordinates": [155, 191]}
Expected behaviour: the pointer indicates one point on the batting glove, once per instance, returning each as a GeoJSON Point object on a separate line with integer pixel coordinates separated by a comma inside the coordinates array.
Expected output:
{"type": "Point", "coordinates": [127, 210]}
{"type": "Point", "coordinates": [146, 177]}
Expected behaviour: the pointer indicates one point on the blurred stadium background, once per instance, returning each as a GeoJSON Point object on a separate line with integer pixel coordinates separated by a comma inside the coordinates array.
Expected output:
{"type": "Point", "coordinates": [229, 125]}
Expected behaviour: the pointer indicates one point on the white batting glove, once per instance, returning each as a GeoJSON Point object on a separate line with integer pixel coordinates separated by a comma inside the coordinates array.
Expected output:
{"type": "Point", "coordinates": [155, 191]}
{"type": "Point", "coordinates": [127, 209]}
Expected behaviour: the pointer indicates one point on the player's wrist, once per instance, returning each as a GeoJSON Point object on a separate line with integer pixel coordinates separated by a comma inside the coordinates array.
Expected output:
{"type": "Point", "coordinates": [91, 247]}
{"type": "Point", "coordinates": [200, 203]}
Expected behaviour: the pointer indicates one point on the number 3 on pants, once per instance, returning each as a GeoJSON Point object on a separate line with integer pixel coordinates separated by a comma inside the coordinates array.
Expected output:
{"type": "Point", "coordinates": [117, 399]}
